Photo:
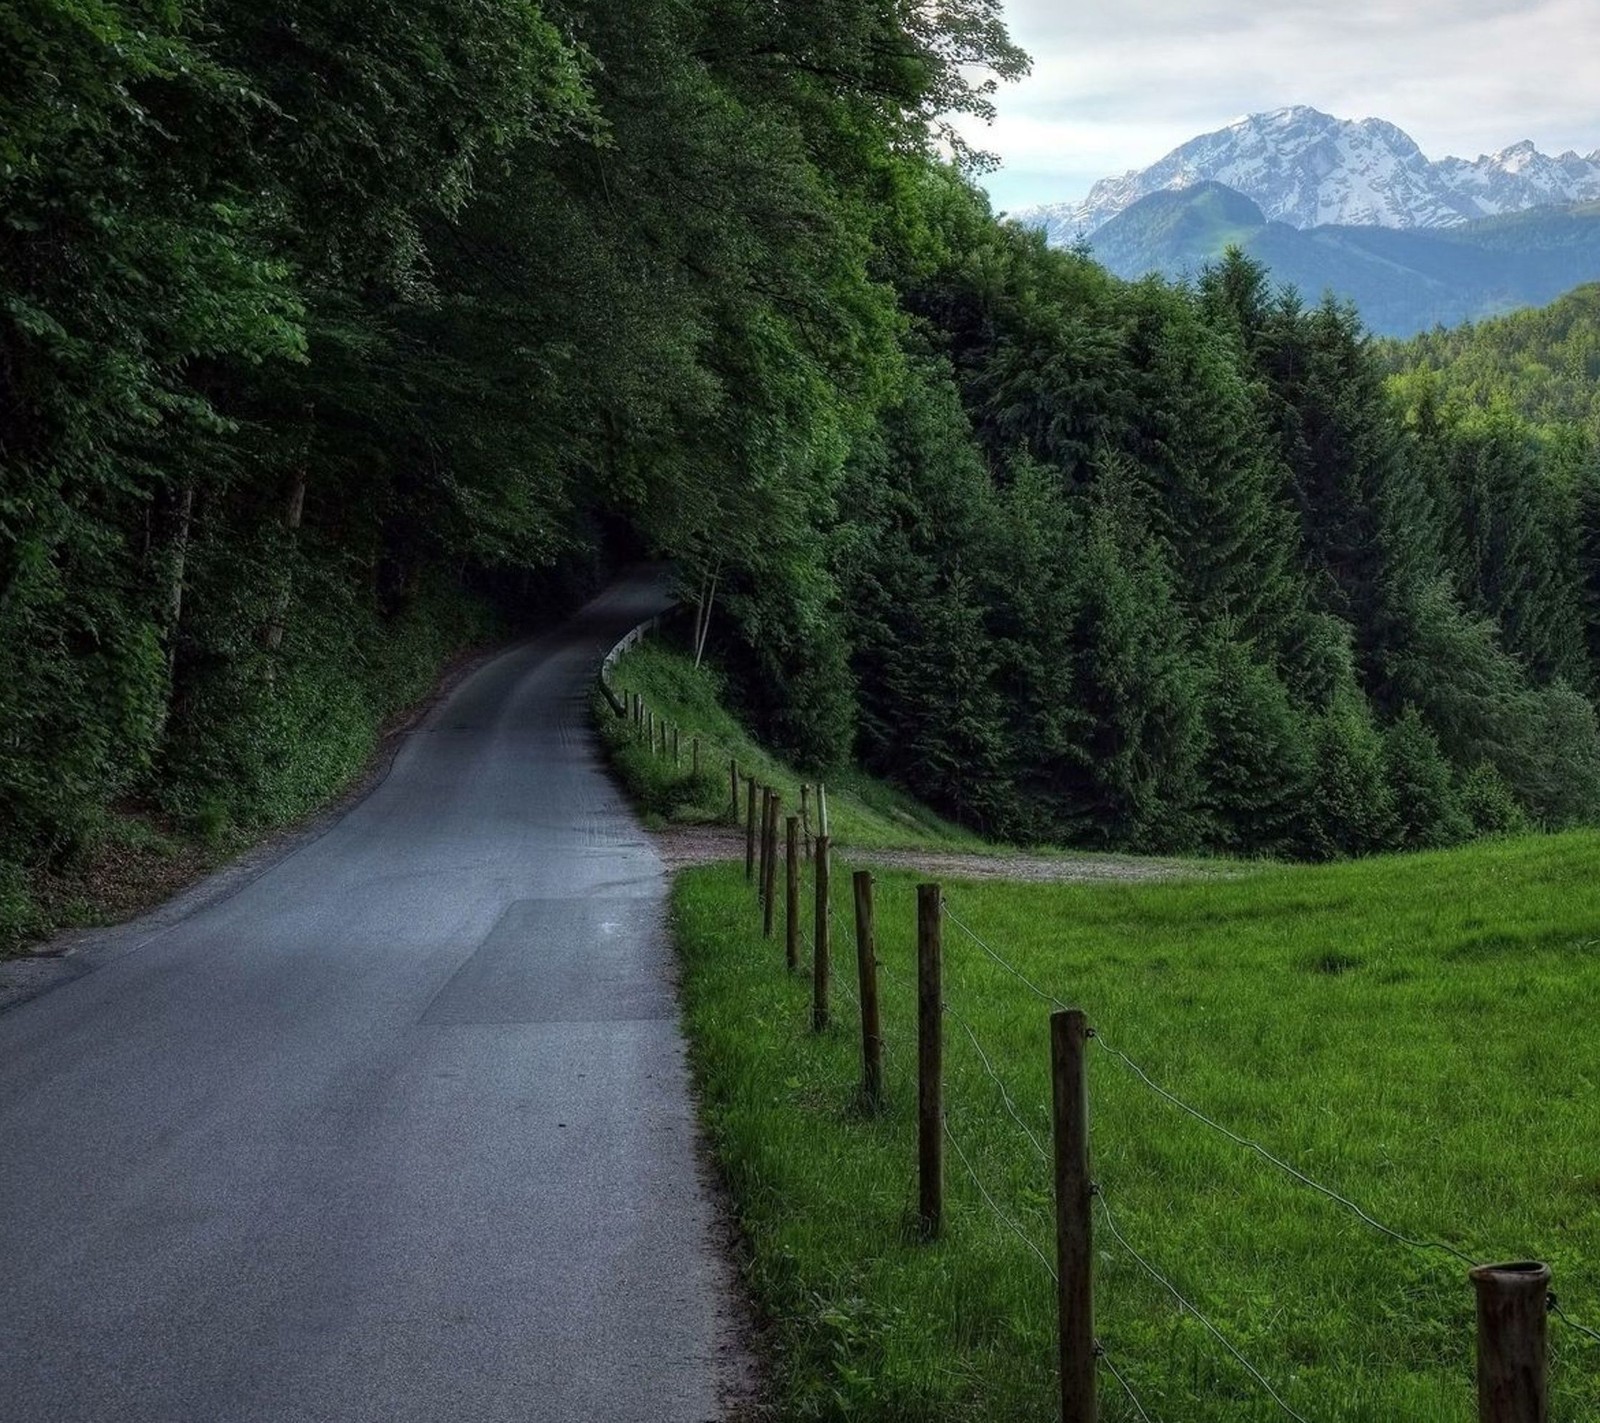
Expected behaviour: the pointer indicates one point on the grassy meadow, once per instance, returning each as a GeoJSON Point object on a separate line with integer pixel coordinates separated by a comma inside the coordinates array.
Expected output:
{"type": "Point", "coordinates": [1415, 1032]}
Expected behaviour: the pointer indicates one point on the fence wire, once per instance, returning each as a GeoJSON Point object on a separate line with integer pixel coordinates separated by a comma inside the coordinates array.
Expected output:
{"type": "Point", "coordinates": [1571, 1323]}
{"type": "Point", "coordinates": [1261, 1151]}
{"type": "Point", "coordinates": [1004, 963]}
{"type": "Point", "coordinates": [1005, 1096]}
{"type": "Point", "coordinates": [1183, 1303]}
{"type": "Point", "coordinates": [1414, 1242]}
{"type": "Point", "coordinates": [895, 977]}
{"type": "Point", "coordinates": [1127, 1387]}
{"type": "Point", "coordinates": [1000, 1215]}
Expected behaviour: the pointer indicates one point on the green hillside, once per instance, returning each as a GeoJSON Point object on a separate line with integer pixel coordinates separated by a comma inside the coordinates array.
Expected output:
{"type": "Point", "coordinates": [1402, 281]}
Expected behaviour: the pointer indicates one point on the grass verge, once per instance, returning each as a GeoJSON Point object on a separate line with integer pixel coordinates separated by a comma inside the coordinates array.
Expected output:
{"type": "Point", "coordinates": [1416, 1032]}
{"type": "Point", "coordinates": [861, 811]}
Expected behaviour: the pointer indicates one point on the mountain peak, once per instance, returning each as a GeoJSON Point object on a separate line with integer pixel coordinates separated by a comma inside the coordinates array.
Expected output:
{"type": "Point", "coordinates": [1307, 168]}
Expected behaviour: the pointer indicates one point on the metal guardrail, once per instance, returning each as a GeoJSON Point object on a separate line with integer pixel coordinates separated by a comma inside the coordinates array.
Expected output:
{"type": "Point", "coordinates": [630, 640]}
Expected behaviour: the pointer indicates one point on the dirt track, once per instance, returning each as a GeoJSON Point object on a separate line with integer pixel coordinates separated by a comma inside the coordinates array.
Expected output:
{"type": "Point", "coordinates": [683, 847]}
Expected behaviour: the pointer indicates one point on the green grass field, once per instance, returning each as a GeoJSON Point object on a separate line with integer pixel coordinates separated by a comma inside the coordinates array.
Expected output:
{"type": "Point", "coordinates": [1416, 1032]}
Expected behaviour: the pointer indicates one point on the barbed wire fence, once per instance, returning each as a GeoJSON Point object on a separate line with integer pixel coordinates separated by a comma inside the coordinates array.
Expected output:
{"type": "Point", "coordinates": [762, 846]}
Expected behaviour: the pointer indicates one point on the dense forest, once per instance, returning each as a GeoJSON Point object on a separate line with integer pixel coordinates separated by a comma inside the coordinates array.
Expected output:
{"type": "Point", "coordinates": [335, 337]}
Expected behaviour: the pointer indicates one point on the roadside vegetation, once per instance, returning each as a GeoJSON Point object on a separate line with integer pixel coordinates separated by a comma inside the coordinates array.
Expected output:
{"type": "Point", "coordinates": [862, 812]}
{"type": "Point", "coordinates": [1413, 1031]}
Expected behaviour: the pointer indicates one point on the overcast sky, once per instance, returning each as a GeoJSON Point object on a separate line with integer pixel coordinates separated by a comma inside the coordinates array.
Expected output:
{"type": "Point", "coordinates": [1118, 83]}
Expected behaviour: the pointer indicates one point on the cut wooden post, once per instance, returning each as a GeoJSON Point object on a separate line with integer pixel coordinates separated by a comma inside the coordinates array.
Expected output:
{"type": "Point", "coordinates": [822, 811]}
{"type": "Point", "coordinates": [676, 732]}
{"type": "Point", "coordinates": [733, 780]}
{"type": "Point", "coordinates": [1069, 1083]}
{"type": "Point", "coordinates": [694, 763]}
{"type": "Point", "coordinates": [1513, 1320]}
{"type": "Point", "coordinates": [791, 897]}
{"type": "Point", "coordinates": [761, 843]}
{"type": "Point", "coordinates": [769, 907]}
{"type": "Point", "coordinates": [867, 978]}
{"type": "Point", "coordinates": [930, 1061]}
{"type": "Point", "coordinates": [650, 730]}
{"type": "Point", "coordinates": [769, 839]}
{"type": "Point", "coordinates": [805, 817]}
{"type": "Point", "coordinates": [819, 942]}
{"type": "Point", "coordinates": [750, 830]}
{"type": "Point", "coordinates": [663, 725]}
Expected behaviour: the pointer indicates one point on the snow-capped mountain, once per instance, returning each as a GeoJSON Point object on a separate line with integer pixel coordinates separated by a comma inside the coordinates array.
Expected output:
{"type": "Point", "coordinates": [1306, 168]}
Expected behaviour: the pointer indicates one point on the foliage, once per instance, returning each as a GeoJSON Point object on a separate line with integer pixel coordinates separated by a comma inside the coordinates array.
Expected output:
{"type": "Point", "coordinates": [327, 339]}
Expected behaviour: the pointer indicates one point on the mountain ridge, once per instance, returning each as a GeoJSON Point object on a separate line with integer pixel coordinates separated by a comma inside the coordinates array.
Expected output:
{"type": "Point", "coordinates": [1308, 169]}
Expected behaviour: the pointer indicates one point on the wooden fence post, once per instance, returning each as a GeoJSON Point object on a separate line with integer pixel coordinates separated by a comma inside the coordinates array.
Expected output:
{"type": "Point", "coordinates": [761, 842]}
{"type": "Point", "coordinates": [1069, 1083]}
{"type": "Point", "coordinates": [650, 731]}
{"type": "Point", "coordinates": [769, 905]}
{"type": "Point", "coordinates": [867, 977]}
{"type": "Point", "coordinates": [805, 817]}
{"type": "Point", "coordinates": [1513, 1320]}
{"type": "Point", "coordinates": [930, 1060]}
{"type": "Point", "coordinates": [676, 733]}
{"type": "Point", "coordinates": [819, 942]}
{"type": "Point", "coordinates": [791, 898]}
{"type": "Point", "coordinates": [750, 829]}
{"type": "Point", "coordinates": [694, 765]}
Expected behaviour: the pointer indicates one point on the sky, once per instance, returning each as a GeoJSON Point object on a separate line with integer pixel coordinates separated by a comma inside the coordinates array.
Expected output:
{"type": "Point", "coordinates": [1117, 84]}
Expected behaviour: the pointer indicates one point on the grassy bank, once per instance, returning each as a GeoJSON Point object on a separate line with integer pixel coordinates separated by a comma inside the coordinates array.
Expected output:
{"type": "Point", "coordinates": [1414, 1032]}
{"type": "Point", "coordinates": [862, 811]}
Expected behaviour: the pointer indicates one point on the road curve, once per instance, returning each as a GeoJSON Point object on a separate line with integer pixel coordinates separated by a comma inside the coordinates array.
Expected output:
{"type": "Point", "coordinates": [400, 1130]}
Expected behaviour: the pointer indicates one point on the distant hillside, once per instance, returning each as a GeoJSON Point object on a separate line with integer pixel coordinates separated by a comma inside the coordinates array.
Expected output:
{"type": "Point", "coordinates": [1545, 363]}
{"type": "Point", "coordinates": [1402, 281]}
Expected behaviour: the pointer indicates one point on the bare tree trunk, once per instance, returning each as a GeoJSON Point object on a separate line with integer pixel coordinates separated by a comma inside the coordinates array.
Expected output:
{"type": "Point", "coordinates": [700, 610]}
{"type": "Point", "coordinates": [702, 627]}
{"type": "Point", "coordinates": [291, 520]}
{"type": "Point", "coordinates": [180, 562]}
{"type": "Point", "coordinates": [176, 573]}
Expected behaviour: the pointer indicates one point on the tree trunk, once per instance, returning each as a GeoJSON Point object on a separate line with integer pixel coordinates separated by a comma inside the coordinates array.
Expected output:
{"type": "Point", "coordinates": [291, 521]}
{"type": "Point", "coordinates": [180, 562]}
{"type": "Point", "coordinates": [702, 622]}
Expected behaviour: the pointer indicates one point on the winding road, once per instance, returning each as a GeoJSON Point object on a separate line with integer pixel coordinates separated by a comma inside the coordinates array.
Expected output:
{"type": "Point", "coordinates": [398, 1129]}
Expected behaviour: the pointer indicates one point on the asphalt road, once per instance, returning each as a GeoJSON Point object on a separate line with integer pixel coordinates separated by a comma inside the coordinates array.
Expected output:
{"type": "Point", "coordinates": [398, 1130]}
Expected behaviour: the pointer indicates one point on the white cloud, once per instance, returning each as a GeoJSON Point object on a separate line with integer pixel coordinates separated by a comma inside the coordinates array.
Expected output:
{"type": "Point", "coordinates": [1118, 83]}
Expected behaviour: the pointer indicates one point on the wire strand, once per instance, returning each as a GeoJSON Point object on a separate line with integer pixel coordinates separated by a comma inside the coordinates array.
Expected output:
{"type": "Point", "coordinates": [1009, 967]}
{"type": "Point", "coordinates": [1277, 1161]}
{"type": "Point", "coordinates": [1571, 1323]}
{"type": "Point", "coordinates": [1005, 1096]}
{"type": "Point", "coordinates": [1183, 1303]}
{"type": "Point", "coordinates": [1006, 1220]}
{"type": "Point", "coordinates": [1127, 1388]}
{"type": "Point", "coordinates": [894, 977]}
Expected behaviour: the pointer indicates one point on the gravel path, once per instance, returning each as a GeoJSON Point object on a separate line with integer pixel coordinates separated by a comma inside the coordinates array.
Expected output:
{"type": "Point", "coordinates": [682, 847]}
